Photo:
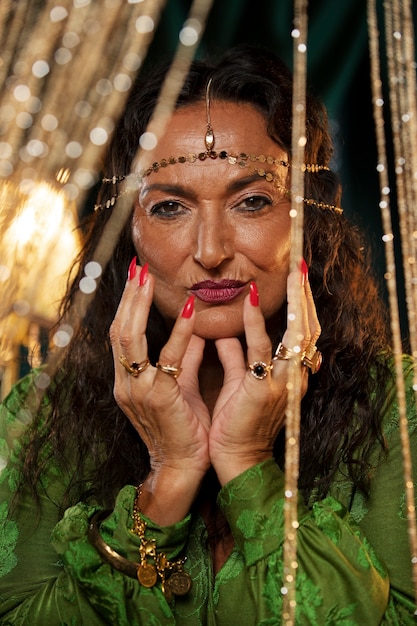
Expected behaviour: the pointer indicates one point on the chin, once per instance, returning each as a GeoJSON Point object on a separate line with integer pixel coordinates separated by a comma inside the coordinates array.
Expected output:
{"type": "Point", "coordinates": [213, 326]}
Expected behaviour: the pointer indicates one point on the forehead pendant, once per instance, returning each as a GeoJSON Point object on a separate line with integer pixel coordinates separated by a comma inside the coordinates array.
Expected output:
{"type": "Point", "coordinates": [209, 137]}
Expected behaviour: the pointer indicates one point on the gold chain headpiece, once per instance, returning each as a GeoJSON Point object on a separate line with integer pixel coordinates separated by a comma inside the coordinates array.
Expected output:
{"type": "Point", "coordinates": [242, 160]}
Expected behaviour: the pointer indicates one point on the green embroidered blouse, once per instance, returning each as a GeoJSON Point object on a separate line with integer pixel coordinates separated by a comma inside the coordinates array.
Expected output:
{"type": "Point", "coordinates": [354, 564]}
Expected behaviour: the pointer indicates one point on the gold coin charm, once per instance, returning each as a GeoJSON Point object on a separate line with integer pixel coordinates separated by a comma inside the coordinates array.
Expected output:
{"type": "Point", "coordinates": [180, 583]}
{"type": "Point", "coordinates": [167, 591]}
{"type": "Point", "coordinates": [147, 574]}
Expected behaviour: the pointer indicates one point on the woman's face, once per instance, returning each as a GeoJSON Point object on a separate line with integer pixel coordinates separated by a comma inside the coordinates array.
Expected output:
{"type": "Point", "coordinates": [209, 228]}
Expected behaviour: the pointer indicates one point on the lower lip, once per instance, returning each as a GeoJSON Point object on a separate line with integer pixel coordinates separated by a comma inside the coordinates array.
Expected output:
{"type": "Point", "coordinates": [217, 296]}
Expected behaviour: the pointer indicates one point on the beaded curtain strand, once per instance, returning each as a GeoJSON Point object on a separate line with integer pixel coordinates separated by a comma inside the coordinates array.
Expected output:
{"type": "Point", "coordinates": [292, 424]}
{"type": "Point", "coordinates": [64, 92]}
{"type": "Point", "coordinates": [402, 82]}
{"type": "Point", "coordinates": [394, 69]}
{"type": "Point", "coordinates": [401, 144]}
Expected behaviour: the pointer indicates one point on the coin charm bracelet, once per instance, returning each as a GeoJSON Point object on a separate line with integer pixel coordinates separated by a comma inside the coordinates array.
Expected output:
{"type": "Point", "coordinates": [153, 566]}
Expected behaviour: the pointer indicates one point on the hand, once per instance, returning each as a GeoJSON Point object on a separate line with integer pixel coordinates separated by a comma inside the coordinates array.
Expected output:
{"type": "Point", "coordinates": [172, 420]}
{"type": "Point", "coordinates": [249, 413]}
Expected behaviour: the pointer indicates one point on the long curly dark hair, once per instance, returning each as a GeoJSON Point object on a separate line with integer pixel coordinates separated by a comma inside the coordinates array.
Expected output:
{"type": "Point", "coordinates": [87, 433]}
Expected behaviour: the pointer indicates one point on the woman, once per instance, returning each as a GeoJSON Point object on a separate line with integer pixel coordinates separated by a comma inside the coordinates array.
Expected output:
{"type": "Point", "coordinates": [150, 487]}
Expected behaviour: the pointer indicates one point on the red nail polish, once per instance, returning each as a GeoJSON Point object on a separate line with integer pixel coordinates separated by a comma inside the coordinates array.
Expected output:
{"type": "Point", "coordinates": [132, 268]}
{"type": "Point", "coordinates": [188, 308]}
{"type": "Point", "coordinates": [304, 271]}
{"type": "Point", "coordinates": [253, 294]}
{"type": "Point", "coordinates": [143, 276]}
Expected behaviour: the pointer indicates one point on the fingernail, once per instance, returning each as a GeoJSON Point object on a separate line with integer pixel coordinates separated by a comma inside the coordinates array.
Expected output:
{"type": "Point", "coordinates": [132, 268]}
{"type": "Point", "coordinates": [304, 271]}
{"type": "Point", "coordinates": [143, 276]}
{"type": "Point", "coordinates": [253, 294]}
{"type": "Point", "coordinates": [188, 308]}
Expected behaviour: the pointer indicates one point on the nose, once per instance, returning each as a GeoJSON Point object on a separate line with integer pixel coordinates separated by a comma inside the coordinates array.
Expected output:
{"type": "Point", "coordinates": [214, 241]}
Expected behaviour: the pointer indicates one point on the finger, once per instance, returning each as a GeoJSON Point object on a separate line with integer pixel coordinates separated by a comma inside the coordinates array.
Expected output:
{"type": "Point", "coordinates": [189, 382]}
{"type": "Point", "coordinates": [259, 348]}
{"type": "Point", "coordinates": [313, 321]}
{"type": "Point", "coordinates": [128, 329]}
{"type": "Point", "coordinates": [192, 360]}
{"type": "Point", "coordinates": [174, 350]}
{"type": "Point", "coordinates": [305, 328]}
{"type": "Point", "coordinates": [297, 335]}
{"type": "Point", "coordinates": [231, 357]}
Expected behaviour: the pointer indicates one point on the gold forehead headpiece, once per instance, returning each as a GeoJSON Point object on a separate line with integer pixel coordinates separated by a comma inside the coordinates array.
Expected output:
{"type": "Point", "coordinates": [241, 159]}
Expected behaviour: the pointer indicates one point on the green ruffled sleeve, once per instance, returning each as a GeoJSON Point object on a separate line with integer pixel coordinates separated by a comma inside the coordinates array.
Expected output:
{"type": "Point", "coordinates": [50, 575]}
{"type": "Point", "coordinates": [117, 598]}
{"type": "Point", "coordinates": [339, 579]}
{"type": "Point", "coordinates": [83, 589]}
{"type": "Point", "coordinates": [78, 588]}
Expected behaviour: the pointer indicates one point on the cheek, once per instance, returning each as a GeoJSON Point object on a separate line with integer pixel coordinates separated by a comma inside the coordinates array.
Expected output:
{"type": "Point", "coordinates": [155, 246]}
{"type": "Point", "coordinates": [268, 247]}
{"type": "Point", "coordinates": [269, 251]}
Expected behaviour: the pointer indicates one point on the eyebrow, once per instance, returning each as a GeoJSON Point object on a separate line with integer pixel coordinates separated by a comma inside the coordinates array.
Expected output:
{"type": "Point", "coordinates": [235, 185]}
{"type": "Point", "coordinates": [170, 188]}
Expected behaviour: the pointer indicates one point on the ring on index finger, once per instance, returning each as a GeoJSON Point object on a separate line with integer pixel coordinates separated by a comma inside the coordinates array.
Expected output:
{"type": "Point", "coordinates": [134, 368]}
{"type": "Point", "coordinates": [171, 370]}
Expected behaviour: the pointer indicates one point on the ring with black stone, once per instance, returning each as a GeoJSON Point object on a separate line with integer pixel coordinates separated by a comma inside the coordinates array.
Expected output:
{"type": "Point", "coordinates": [260, 369]}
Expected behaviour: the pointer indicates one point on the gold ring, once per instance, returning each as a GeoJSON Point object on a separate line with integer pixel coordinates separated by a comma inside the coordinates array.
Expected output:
{"type": "Point", "coordinates": [171, 370]}
{"type": "Point", "coordinates": [312, 358]}
{"type": "Point", "coordinates": [260, 369]}
{"type": "Point", "coordinates": [310, 350]}
{"type": "Point", "coordinates": [285, 354]}
{"type": "Point", "coordinates": [134, 368]}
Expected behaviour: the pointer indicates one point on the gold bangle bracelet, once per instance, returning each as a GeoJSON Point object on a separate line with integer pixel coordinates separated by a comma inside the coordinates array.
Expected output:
{"type": "Point", "coordinates": [110, 556]}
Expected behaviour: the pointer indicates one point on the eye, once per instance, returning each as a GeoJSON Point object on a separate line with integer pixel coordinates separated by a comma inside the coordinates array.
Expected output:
{"type": "Point", "coordinates": [254, 203]}
{"type": "Point", "coordinates": [167, 209]}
